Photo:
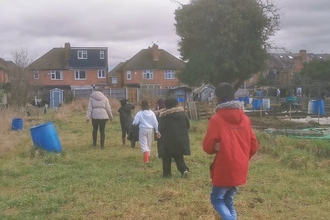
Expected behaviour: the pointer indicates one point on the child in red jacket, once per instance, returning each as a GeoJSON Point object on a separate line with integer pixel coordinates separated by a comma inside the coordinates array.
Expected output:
{"type": "Point", "coordinates": [231, 138]}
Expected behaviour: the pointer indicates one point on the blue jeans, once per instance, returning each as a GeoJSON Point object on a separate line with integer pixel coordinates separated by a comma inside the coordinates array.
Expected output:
{"type": "Point", "coordinates": [222, 201]}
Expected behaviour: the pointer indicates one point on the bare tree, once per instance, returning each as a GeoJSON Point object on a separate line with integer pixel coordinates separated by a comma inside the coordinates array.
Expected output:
{"type": "Point", "coordinates": [20, 79]}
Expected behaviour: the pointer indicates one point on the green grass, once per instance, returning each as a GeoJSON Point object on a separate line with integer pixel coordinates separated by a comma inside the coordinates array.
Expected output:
{"type": "Point", "coordinates": [288, 178]}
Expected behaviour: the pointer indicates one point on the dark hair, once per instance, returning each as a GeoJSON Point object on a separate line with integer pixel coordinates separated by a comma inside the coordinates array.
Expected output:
{"type": "Point", "coordinates": [144, 105]}
{"type": "Point", "coordinates": [171, 102]}
{"type": "Point", "coordinates": [225, 92]}
{"type": "Point", "coordinates": [123, 101]}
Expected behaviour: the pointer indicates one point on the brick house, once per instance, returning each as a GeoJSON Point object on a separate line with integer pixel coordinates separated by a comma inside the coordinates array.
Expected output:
{"type": "Point", "coordinates": [149, 68]}
{"type": "Point", "coordinates": [71, 68]}
{"type": "Point", "coordinates": [4, 68]}
{"type": "Point", "coordinates": [283, 66]}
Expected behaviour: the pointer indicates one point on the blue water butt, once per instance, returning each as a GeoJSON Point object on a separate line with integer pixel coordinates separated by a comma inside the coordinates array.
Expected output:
{"type": "Point", "coordinates": [45, 136]}
{"type": "Point", "coordinates": [247, 100]}
{"type": "Point", "coordinates": [17, 124]}
{"type": "Point", "coordinates": [256, 104]}
{"type": "Point", "coordinates": [318, 105]}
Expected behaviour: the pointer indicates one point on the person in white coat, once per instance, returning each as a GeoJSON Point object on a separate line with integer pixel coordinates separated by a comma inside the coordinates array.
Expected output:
{"type": "Point", "coordinates": [99, 110]}
{"type": "Point", "coordinates": [147, 121]}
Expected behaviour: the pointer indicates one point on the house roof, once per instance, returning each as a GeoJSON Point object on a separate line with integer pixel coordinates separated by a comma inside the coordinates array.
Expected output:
{"type": "Point", "coordinates": [5, 65]}
{"type": "Point", "coordinates": [117, 68]}
{"type": "Point", "coordinates": [52, 60]}
{"type": "Point", "coordinates": [144, 60]}
{"type": "Point", "coordinates": [285, 61]}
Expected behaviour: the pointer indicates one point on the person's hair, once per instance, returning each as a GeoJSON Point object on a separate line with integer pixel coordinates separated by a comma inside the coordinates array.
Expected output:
{"type": "Point", "coordinates": [123, 101]}
{"type": "Point", "coordinates": [144, 105]}
{"type": "Point", "coordinates": [98, 88]}
{"type": "Point", "coordinates": [171, 102]}
{"type": "Point", "coordinates": [225, 92]}
{"type": "Point", "coordinates": [160, 104]}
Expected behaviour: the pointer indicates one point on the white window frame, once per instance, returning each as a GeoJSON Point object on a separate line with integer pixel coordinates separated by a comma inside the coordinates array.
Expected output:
{"type": "Point", "coordinates": [169, 74]}
{"type": "Point", "coordinates": [36, 74]}
{"type": "Point", "coordinates": [101, 74]}
{"type": "Point", "coordinates": [82, 54]}
{"type": "Point", "coordinates": [102, 55]}
{"type": "Point", "coordinates": [129, 75]}
{"type": "Point", "coordinates": [56, 75]}
{"type": "Point", "coordinates": [147, 74]}
{"type": "Point", "coordinates": [78, 73]}
{"type": "Point", "coordinates": [114, 80]}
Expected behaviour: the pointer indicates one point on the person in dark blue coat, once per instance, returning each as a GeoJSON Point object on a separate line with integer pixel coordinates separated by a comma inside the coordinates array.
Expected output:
{"type": "Point", "coordinates": [174, 142]}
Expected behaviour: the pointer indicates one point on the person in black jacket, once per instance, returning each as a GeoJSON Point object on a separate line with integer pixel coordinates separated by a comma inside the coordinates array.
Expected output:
{"type": "Point", "coordinates": [125, 116]}
{"type": "Point", "coordinates": [174, 142]}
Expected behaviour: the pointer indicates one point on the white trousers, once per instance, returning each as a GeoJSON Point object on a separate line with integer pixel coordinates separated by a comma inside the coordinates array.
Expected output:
{"type": "Point", "coordinates": [145, 139]}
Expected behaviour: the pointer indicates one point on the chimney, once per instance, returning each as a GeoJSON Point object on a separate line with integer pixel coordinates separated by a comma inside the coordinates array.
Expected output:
{"type": "Point", "coordinates": [67, 51]}
{"type": "Point", "coordinates": [155, 52]}
{"type": "Point", "coordinates": [303, 55]}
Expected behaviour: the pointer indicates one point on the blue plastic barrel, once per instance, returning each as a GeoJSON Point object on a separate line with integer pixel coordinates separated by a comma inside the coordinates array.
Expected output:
{"type": "Point", "coordinates": [17, 124]}
{"type": "Point", "coordinates": [256, 104]}
{"type": "Point", "coordinates": [180, 99]}
{"type": "Point", "coordinates": [247, 100]}
{"type": "Point", "coordinates": [318, 105]}
{"type": "Point", "coordinates": [45, 136]}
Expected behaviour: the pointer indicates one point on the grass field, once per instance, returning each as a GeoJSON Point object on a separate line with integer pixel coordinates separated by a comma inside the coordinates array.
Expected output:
{"type": "Point", "coordinates": [288, 178]}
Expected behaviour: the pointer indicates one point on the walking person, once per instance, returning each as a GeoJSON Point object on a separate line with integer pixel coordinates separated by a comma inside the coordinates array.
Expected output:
{"type": "Point", "coordinates": [230, 137]}
{"type": "Point", "coordinates": [174, 143]}
{"type": "Point", "coordinates": [160, 106]}
{"type": "Point", "coordinates": [146, 119]}
{"type": "Point", "coordinates": [99, 111]}
{"type": "Point", "coordinates": [125, 117]}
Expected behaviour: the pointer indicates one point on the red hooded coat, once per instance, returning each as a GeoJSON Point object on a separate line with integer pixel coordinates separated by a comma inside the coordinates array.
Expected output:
{"type": "Point", "coordinates": [232, 129]}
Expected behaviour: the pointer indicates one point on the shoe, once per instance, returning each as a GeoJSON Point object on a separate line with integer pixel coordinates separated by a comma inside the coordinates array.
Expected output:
{"type": "Point", "coordinates": [185, 174]}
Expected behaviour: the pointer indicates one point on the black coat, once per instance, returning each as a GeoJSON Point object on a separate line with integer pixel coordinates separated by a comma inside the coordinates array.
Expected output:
{"type": "Point", "coordinates": [173, 127]}
{"type": "Point", "coordinates": [125, 116]}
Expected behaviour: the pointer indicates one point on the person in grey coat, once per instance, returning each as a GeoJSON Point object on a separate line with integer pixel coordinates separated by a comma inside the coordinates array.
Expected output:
{"type": "Point", "coordinates": [174, 142]}
{"type": "Point", "coordinates": [100, 111]}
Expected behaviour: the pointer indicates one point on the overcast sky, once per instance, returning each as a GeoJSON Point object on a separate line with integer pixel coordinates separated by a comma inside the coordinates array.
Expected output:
{"type": "Point", "coordinates": [127, 26]}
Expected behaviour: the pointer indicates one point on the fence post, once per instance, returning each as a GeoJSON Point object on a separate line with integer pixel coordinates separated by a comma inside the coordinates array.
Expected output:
{"type": "Point", "coordinates": [126, 93]}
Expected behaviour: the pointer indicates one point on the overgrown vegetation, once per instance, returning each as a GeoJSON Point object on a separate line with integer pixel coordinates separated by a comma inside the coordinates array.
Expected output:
{"type": "Point", "coordinates": [288, 179]}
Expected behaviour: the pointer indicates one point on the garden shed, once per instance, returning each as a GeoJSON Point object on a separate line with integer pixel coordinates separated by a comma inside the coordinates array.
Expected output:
{"type": "Point", "coordinates": [56, 97]}
{"type": "Point", "coordinates": [204, 93]}
{"type": "Point", "coordinates": [182, 93]}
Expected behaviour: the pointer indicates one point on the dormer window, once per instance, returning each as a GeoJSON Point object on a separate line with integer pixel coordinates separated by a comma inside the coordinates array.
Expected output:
{"type": "Point", "coordinates": [82, 54]}
{"type": "Point", "coordinates": [102, 55]}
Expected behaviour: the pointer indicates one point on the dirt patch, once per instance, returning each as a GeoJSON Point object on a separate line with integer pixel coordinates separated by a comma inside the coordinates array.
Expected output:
{"type": "Point", "coordinates": [274, 122]}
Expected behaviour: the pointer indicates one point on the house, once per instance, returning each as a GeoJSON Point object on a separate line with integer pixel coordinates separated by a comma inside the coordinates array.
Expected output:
{"type": "Point", "coordinates": [283, 66]}
{"type": "Point", "coordinates": [149, 68]}
{"type": "Point", "coordinates": [5, 66]}
{"type": "Point", "coordinates": [71, 68]}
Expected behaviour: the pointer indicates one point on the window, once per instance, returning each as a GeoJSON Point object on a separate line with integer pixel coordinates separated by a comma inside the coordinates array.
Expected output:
{"type": "Point", "coordinates": [101, 74]}
{"type": "Point", "coordinates": [148, 74]}
{"type": "Point", "coordinates": [128, 75]}
{"type": "Point", "coordinates": [56, 75]}
{"type": "Point", "coordinates": [102, 55]}
{"type": "Point", "coordinates": [114, 80]}
{"type": "Point", "coordinates": [82, 54]}
{"type": "Point", "coordinates": [80, 74]}
{"type": "Point", "coordinates": [36, 74]}
{"type": "Point", "coordinates": [169, 74]}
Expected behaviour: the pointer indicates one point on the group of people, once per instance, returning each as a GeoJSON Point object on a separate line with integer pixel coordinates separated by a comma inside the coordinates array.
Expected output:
{"type": "Point", "coordinates": [229, 137]}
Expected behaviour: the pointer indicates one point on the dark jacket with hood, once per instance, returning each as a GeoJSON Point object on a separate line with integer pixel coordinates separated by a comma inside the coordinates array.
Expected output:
{"type": "Point", "coordinates": [232, 129]}
{"type": "Point", "coordinates": [173, 126]}
{"type": "Point", "coordinates": [125, 115]}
